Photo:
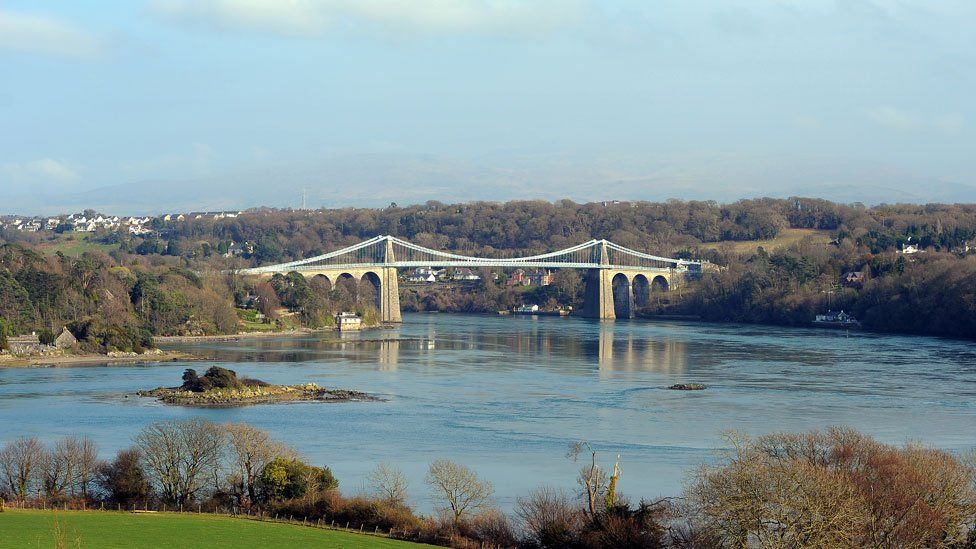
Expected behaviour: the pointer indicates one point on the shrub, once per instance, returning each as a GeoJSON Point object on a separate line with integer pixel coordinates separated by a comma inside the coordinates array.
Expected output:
{"type": "Point", "coordinates": [46, 337]}
{"type": "Point", "coordinates": [97, 336]}
{"type": "Point", "coordinates": [550, 518]}
{"type": "Point", "coordinates": [215, 378]}
{"type": "Point", "coordinates": [123, 479]}
{"type": "Point", "coordinates": [284, 479]}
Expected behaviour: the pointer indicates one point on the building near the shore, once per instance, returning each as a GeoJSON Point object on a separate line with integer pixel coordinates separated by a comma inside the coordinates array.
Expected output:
{"type": "Point", "coordinates": [65, 340]}
{"type": "Point", "coordinates": [346, 322]}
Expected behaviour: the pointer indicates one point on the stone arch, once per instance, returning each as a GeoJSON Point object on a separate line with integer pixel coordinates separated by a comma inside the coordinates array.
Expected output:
{"type": "Point", "coordinates": [623, 298]}
{"type": "Point", "coordinates": [370, 290]}
{"type": "Point", "coordinates": [660, 284]}
{"type": "Point", "coordinates": [641, 289]}
{"type": "Point", "coordinates": [344, 290]}
{"type": "Point", "coordinates": [321, 282]}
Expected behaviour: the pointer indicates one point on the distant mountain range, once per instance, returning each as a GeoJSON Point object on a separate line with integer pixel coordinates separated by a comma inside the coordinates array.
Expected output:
{"type": "Point", "coordinates": [379, 179]}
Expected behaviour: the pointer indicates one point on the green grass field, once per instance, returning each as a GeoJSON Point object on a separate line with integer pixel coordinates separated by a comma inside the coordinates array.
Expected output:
{"type": "Point", "coordinates": [785, 238]}
{"type": "Point", "coordinates": [74, 244]}
{"type": "Point", "coordinates": [22, 529]}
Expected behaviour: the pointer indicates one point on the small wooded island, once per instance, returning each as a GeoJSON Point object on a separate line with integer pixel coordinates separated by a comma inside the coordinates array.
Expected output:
{"type": "Point", "coordinates": [220, 387]}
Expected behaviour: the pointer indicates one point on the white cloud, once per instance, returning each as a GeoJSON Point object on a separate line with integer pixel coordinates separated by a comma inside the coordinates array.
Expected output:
{"type": "Point", "coordinates": [45, 35]}
{"type": "Point", "coordinates": [316, 17]}
{"type": "Point", "coordinates": [44, 170]}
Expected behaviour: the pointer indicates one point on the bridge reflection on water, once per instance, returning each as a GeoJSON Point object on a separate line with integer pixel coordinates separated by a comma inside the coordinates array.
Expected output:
{"type": "Point", "coordinates": [610, 347]}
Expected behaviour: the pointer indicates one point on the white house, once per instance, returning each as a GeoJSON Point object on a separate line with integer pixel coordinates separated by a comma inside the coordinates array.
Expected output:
{"type": "Point", "coordinates": [465, 273]}
{"type": "Point", "coordinates": [420, 277]}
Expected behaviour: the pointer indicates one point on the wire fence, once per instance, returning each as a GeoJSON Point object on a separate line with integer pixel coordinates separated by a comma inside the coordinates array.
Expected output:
{"type": "Point", "coordinates": [403, 534]}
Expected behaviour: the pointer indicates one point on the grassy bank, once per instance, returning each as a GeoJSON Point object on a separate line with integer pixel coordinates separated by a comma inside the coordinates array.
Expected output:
{"type": "Point", "coordinates": [27, 528]}
{"type": "Point", "coordinates": [787, 237]}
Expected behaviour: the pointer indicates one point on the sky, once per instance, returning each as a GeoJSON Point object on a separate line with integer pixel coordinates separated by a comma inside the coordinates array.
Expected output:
{"type": "Point", "coordinates": [175, 103]}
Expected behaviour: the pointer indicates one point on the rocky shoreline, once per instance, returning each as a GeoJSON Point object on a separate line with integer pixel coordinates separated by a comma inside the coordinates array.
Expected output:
{"type": "Point", "coordinates": [65, 359]}
{"type": "Point", "coordinates": [246, 396]}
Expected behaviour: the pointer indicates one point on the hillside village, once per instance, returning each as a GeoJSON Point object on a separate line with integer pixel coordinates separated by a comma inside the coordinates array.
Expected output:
{"type": "Point", "coordinates": [90, 221]}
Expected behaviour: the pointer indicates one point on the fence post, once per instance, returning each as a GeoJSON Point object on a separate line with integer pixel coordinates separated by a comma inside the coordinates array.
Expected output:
{"type": "Point", "coordinates": [181, 508]}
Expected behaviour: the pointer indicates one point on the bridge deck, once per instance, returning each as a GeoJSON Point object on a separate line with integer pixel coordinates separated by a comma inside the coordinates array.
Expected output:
{"type": "Point", "coordinates": [388, 251]}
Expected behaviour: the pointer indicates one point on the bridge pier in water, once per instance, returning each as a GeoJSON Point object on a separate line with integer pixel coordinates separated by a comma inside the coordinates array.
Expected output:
{"type": "Point", "coordinates": [389, 296]}
{"type": "Point", "coordinates": [598, 295]}
{"type": "Point", "coordinates": [612, 293]}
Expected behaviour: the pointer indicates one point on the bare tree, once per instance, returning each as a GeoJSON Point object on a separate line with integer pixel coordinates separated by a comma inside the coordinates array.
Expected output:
{"type": "Point", "coordinates": [20, 465]}
{"type": "Point", "coordinates": [592, 478]}
{"type": "Point", "coordinates": [250, 450]}
{"type": "Point", "coordinates": [458, 488]}
{"type": "Point", "coordinates": [56, 469]}
{"type": "Point", "coordinates": [69, 467]}
{"type": "Point", "coordinates": [180, 456]}
{"type": "Point", "coordinates": [389, 483]}
{"type": "Point", "coordinates": [834, 489]}
{"type": "Point", "coordinates": [86, 466]}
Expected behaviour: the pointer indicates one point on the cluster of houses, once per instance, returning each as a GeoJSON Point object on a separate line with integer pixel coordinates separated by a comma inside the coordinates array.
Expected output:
{"type": "Point", "coordinates": [89, 222]}
{"type": "Point", "coordinates": [200, 215]}
{"type": "Point", "coordinates": [82, 223]}
{"type": "Point", "coordinates": [529, 278]}
{"type": "Point", "coordinates": [422, 275]}
{"type": "Point", "coordinates": [519, 277]}
{"type": "Point", "coordinates": [235, 249]}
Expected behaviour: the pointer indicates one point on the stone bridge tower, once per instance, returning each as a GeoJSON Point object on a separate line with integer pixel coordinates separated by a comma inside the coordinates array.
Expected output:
{"type": "Point", "coordinates": [389, 290]}
{"type": "Point", "coordinates": [598, 296]}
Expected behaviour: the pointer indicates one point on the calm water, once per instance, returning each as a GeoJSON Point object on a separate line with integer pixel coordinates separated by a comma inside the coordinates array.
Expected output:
{"type": "Point", "coordinates": [506, 395]}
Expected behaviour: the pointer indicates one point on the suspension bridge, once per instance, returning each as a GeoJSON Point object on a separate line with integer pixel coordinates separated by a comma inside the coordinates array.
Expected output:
{"type": "Point", "coordinates": [618, 279]}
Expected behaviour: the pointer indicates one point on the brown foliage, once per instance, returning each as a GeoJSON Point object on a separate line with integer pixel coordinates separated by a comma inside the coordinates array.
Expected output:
{"type": "Point", "coordinates": [835, 488]}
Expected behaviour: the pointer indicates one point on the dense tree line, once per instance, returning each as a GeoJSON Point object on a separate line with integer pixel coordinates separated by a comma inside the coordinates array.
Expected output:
{"type": "Point", "coordinates": [931, 293]}
{"type": "Point", "coordinates": [108, 306]}
{"type": "Point", "coordinates": [154, 284]}
{"type": "Point", "coordinates": [536, 226]}
{"type": "Point", "coordinates": [836, 488]}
